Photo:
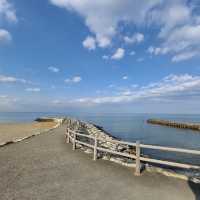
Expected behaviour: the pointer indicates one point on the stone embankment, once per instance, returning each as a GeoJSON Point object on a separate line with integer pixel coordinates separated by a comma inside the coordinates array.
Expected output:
{"type": "Point", "coordinates": [109, 142]}
{"type": "Point", "coordinates": [191, 126]}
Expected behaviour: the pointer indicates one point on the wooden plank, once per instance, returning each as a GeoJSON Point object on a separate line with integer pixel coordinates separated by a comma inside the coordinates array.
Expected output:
{"type": "Point", "coordinates": [84, 143]}
{"type": "Point", "coordinates": [137, 170]}
{"type": "Point", "coordinates": [95, 148]}
{"type": "Point", "coordinates": [170, 149]}
{"type": "Point", "coordinates": [74, 141]}
{"type": "Point", "coordinates": [67, 135]}
{"type": "Point", "coordinates": [84, 135]}
{"type": "Point", "coordinates": [169, 163]}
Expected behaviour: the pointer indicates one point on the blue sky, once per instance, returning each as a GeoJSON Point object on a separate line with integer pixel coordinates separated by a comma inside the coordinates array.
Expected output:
{"type": "Point", "coordinates": [100, 56]}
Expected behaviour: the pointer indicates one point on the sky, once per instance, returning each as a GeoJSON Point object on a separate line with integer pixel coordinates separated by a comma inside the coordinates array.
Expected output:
{"type": "Point", "coordinates": [101, 56]}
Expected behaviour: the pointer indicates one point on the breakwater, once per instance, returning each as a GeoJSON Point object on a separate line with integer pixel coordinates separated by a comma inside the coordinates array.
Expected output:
{"type": "Point", "coordinates": [174, 124]}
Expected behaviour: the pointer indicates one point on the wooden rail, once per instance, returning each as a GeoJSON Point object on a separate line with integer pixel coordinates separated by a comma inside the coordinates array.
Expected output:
{"type": "Point", "coordinates": [71, 136]}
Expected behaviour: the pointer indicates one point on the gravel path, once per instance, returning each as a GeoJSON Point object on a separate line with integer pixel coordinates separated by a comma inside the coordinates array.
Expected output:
{"type": "Point", "coordinates": [45, 168]}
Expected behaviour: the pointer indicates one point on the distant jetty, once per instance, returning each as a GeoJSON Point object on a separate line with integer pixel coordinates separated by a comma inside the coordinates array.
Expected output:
{"type": "Point", "coordinates": [174, 124]}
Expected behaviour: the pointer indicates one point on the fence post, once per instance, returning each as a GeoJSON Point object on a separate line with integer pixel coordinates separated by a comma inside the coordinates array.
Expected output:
{"type": "Point", "coordinates": [95, 148]}
{"type": "Point", "coordinates": [74, 141]}
{"type": "Point", "coordinates": [137, 170]}
{"type": "Point", "coordinates": [67, 135]}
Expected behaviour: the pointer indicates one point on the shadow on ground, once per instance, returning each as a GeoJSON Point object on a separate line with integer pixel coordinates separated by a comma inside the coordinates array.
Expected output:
{"type": "Point", "coordinates": [195, 189]}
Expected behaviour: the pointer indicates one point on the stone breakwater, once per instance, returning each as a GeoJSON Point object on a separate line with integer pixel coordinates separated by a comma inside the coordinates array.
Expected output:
{"type": "Point", "coordinates": [110, 143]}
{"type": "Point", "coordinates": [191, 126]}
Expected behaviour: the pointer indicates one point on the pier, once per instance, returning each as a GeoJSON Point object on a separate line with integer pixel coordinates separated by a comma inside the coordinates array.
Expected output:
{"type": "Point", "coordinates": [45, 167]}
{"type": "Point", "coordinates": [174, 124]}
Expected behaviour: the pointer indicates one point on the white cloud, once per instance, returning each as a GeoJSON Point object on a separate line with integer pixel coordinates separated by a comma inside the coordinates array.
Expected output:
{"type": "Point", "coordinates": [136, 38]}
{"type": "Point", "coordinates": [184, 56]}
{"type": "Point", "coordinates": [177, 22]}
{"type": "Point", "coordinates": [103, 16]}
{"type": "Point", "coordinates": [125, 77]}
{"type": "Point", "coordinates": [10, 79]}
{"type": "Point", "coordinates": [184, 42]}
{"type": "Point", "coordinates": [172, 86]}
{"type": "Point", "coordinates": [103, 41]}
{"type": "Point", "coordinates": [171, 14]}
{"type": "Point", "coordinates": [75, 79]}
{"type": "Point", "coordinates": [7, 11]}
{"type": "Point", "coordinates": [33, 89]}
{"type": "Point", "coordinates": [5, 36]}
{"type": "Point", "coordinates": [119, 54]}
{"type": "Point", "coordinates": [53, 69]}
{"type": "Point", "coordinates": [89, 43]}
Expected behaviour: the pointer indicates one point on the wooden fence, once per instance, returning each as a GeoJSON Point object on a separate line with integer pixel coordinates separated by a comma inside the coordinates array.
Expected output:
{"type": "Point", "coordinates": [72, 136]}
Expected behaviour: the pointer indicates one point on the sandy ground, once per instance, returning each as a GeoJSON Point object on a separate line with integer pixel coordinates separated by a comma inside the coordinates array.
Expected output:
{"type": "Point", "coordinates": [45, 168]}
{"type": "Point", "coordinates": [16, 131]}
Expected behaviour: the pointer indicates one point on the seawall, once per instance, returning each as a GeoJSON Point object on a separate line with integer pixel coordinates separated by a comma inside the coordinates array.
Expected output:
{"type": "Point", "coordinates": [174, 124]}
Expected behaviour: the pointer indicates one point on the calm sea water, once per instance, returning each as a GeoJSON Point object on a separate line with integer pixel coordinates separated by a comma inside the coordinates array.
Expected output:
{"type": "Point", "coordinates": [132, 127]}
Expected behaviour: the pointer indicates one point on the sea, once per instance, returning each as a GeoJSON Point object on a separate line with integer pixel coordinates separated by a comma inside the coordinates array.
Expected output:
{"type": "Point", "coordinates": [133, 127]}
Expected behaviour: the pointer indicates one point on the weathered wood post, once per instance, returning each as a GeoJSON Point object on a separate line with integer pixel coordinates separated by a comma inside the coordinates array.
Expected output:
{"type": "Point", "coordinates": [74, 141]}
{"type": "Point", "coordinates": [95, 148]}
{"type": "Point", "coordinates": [67, 135]}
{"type": "Point", "coordinates": [137, 169]}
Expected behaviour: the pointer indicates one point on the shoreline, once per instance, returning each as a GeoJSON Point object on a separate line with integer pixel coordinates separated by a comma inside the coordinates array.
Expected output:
{"type": "Point", "coordinates": [31, 132]}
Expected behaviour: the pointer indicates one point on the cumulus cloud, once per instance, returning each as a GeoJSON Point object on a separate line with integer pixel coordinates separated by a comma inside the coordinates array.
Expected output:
{"type": "Point", "coordinates": [184, 42]}
{"type": "Point", "coordinates": [136, 38]}
{"type": "Point", "coordinates": [75, 79]}
{"type": "Point", "coordinates": [33, 89]}
{"type": "Point", "coordinates": [53, 69]}
{"type": "Point", "coordinates": [89, 43]}
{"type": "Point", "coordinates": [10, 79]}
{"type": "Point", "coordinates": [119, 54]}
{"type": "Point", "coordinates": [103, 16]}
{"type": "Point", "coordinates": [7, 11]}
{"type": "Point", "coordinates": [172, 86]}
{"type": "Point", "coordinates": [5, 36]}
{"type": "Point", "coordinates": [180, 32]}
{"type": "Point", "coordinates": [176, 21]}
{"type": "Point", "coordinates": [171, 14]}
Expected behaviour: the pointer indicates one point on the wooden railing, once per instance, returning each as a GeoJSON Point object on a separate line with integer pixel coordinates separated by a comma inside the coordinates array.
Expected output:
{"type": "Point", "coordinates": [71, 136]}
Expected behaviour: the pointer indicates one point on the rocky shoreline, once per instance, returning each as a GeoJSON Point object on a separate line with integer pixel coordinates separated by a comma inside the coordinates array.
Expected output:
{"type": "Point", "coordinates": [95, 130]}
